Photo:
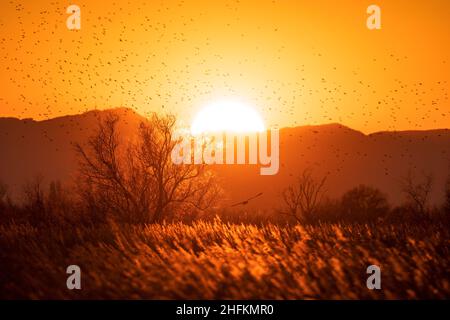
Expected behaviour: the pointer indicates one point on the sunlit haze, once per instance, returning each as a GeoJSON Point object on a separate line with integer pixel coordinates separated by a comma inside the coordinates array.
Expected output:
{"type": "Point", "coordinates": [295, 62]}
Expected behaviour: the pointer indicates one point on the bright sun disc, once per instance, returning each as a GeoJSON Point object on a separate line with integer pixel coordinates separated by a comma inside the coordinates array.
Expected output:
{"type": "Point", "coordinates": [230, 116]}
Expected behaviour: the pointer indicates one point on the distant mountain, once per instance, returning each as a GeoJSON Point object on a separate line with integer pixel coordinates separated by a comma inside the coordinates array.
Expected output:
{"type": "Point", "coordinates": [348, 157]}
{"type": "Point", "coordinates": [31, 148]}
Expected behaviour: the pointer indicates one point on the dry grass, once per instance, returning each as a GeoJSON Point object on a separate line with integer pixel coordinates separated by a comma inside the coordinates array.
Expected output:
{"type": "Point", "coordinates": [215, 260]}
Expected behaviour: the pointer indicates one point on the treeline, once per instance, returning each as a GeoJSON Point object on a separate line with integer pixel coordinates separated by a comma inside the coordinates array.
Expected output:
{"type": "Point", "coordinates": [306, 201]}
{"type": "Point", "coordinates": [135, 181]}
{"type": "Point", "coordinates": [53, 203]}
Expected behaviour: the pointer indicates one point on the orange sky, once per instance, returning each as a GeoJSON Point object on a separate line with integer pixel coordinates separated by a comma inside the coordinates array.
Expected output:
{"type": "Point", "coordinates": [296, 62]}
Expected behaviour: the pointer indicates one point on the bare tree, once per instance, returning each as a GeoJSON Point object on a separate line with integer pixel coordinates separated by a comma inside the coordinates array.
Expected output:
{"type": "Point", "coordinates": [139, 179]}
{"type": "Point", "coordinates": [302, 199]}
{"type": "Point", "coordinates": [105, 183]}
{"type": "Point", "coordinates": [418, 192]}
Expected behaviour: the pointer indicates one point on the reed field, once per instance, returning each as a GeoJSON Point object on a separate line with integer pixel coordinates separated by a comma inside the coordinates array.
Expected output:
{"type": "Point", "coordinates": [219, 260]}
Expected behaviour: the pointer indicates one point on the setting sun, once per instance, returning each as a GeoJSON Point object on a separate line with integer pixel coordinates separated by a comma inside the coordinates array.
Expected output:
{"type": "Point", "coordinates": [227, 115]}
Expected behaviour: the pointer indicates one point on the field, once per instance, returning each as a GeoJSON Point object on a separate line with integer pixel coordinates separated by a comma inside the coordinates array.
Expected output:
{"type": "Point", "coordinates": [217, 260]}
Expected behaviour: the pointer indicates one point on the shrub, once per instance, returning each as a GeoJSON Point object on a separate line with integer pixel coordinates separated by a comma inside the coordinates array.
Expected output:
{"type": "Point", "coordinates": [363, 203]}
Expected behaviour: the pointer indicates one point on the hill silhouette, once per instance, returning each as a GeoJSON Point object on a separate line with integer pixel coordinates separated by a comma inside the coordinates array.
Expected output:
{"type": "Point", "coordinates": [348, 157]}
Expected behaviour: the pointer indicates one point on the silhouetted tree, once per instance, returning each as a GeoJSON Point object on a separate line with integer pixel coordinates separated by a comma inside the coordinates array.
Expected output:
{"type": "Point", "coordinates": [417, 192]}
{"type": "Point", "coordinates": [363, 203]}
{"type": "Point", "coordinates": [140, 179]}
{"type": "Point", "coordinates": [302, 199]}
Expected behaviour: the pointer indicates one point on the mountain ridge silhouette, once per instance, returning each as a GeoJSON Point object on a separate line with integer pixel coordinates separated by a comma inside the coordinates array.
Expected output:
{"type": "Point", "coordinates": [348, 157]}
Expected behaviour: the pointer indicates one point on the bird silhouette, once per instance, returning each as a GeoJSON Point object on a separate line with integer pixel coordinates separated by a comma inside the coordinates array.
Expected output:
{"type": "Point", "coordinates": [245, 202]}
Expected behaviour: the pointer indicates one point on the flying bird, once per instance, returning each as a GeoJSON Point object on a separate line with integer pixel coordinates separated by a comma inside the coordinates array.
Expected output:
{"type": "Point", "coordinates": [245, 202]}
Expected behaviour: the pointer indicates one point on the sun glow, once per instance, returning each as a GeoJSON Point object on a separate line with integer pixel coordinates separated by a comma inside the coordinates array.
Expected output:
{"type": "Point", "coordinates": [227, 115]}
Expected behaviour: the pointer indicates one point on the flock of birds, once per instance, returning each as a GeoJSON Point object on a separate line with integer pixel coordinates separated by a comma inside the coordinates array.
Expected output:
{"type": "Point", "coordinates": [160, 56]}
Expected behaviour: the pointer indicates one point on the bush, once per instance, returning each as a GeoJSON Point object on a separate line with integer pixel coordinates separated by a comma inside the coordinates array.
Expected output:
{"type": "Point", "coordinates": [363, 203]}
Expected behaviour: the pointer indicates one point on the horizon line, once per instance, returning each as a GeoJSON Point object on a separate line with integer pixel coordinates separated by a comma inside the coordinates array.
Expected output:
{"type": "Point", "coordinates": [266, 129]}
